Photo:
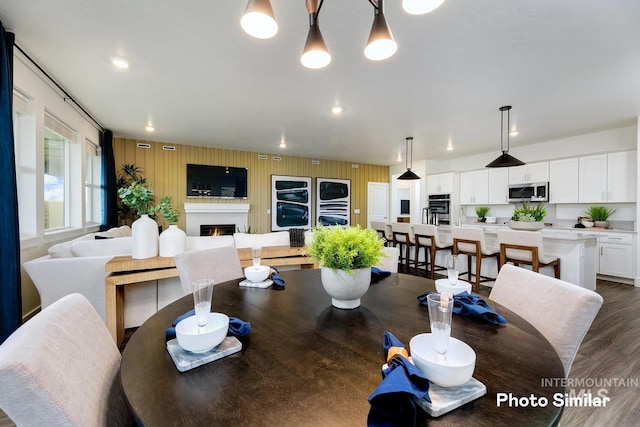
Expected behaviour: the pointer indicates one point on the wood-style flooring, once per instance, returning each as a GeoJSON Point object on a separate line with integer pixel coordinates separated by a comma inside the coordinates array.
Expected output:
{"type": "Point", "coordinates": [610, 351]}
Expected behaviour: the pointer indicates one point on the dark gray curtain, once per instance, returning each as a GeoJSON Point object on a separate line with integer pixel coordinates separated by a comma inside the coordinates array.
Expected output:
{"type": "Point", "coordinates": [10, 287]}
{"type": "Point", "coordinates": [109, 182]}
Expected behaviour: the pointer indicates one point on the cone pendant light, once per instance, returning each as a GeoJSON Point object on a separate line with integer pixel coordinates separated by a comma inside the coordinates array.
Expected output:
{"type": "Point", "coordinates": [409, 161]}
{"type": "Point", "coordinates": [505, 160]}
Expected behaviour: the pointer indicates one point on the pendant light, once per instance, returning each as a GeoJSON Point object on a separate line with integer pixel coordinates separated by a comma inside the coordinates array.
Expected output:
{"type": "Point", "coordinates": [409, 161]}
{"type": "Point", "coordinates": [315, 54]}
{"type": "Point", "coordinates": [505, 160]}
{"type": "Point", "coordinates": [420, 7]}
{"type": "Point", "coordinates": [380, 44]}
{"type": "Point", "coordinates": [258, 20]}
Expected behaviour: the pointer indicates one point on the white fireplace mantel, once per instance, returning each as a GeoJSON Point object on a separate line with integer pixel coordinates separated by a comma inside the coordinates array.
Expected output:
{"type": "Point", "coordinates": [215, 213]}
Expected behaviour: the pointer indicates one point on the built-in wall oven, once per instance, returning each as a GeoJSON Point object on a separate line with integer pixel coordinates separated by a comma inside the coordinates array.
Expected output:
{"type": "Point", "coordinates": [439, 207]}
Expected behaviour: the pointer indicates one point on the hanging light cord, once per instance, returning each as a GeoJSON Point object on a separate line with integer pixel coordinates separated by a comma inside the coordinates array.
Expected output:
{"type": "Point", "coordinates": [409, 159]}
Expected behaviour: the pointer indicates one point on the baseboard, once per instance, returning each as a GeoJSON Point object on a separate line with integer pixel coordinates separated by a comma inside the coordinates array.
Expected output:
{"type": "Point", "coordinates": [30, 314]}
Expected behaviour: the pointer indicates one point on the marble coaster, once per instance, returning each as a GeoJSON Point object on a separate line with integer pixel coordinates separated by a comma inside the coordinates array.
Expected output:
{"type": "Point", "coordinates": [185, 360]}
{"type": "Point", "coordinates": [249, 284]}
{"type": "Point", "coordinates": [446, 399]}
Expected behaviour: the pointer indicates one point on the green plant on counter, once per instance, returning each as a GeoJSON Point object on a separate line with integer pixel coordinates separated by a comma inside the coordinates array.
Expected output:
{"type": "Point", "coordinates": [129, 174]}
{"type": "Point", "coordinates": [599, 213]}
{"type": "Point", "coordinates": [527, 213]}
{"type": "Point", "coordinates": [171, 215]}
{"type": "Point", "coordinates": [346, 248]}
{"type": "Point", "coordinates": [482, 211]}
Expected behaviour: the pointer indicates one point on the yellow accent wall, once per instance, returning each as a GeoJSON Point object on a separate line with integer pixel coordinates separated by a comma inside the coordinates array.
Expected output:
{"type": "Point", "coordinates": [166, 171]}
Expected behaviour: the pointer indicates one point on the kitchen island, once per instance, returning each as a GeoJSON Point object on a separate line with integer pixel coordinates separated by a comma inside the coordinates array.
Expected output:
{"type": "Point", "coordinates": [577, 252]}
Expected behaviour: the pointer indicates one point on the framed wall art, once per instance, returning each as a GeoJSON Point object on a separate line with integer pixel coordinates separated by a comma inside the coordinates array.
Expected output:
{"type": "Point", "coordinates": [290, 202]}
{"type": "Point", "coordinates": [333, 205]}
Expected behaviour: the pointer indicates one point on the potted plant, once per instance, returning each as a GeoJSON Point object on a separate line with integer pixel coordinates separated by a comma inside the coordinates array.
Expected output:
{"type": "Point", "coordinates": [172, 240]}
{"type": "Point", "coordinates": [528, 217]}
{"type": "Point", "coordinates": [481, 213]}
{"type": "Point", "coordinates": [600, 215]}
{"type": "Point", "coordinates": [345, 256]}
{"type": "Point", "coordinates": [138, 196]}
{"type": "Point", "coordinates": [129, 173]}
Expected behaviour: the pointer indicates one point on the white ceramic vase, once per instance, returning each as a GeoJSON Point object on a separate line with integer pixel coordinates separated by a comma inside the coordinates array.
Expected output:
{"type": "Point", "coordinates": [172, 241]}
{"type": "Point", "coordinates": [144, 238]}
{"type": "Point", "coordinates": [523, 225]}
{"type": "Point", "coordinates": [345, 289]}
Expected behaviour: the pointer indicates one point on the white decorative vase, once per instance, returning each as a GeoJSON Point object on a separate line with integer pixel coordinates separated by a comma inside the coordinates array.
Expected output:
{"type": "Point", "coordinates": [172, 241]}
{"type": "Point", "coordinates": [523, 225]}
{"type": "Point", "coordinates": [345, 289]}
{"type": "Point", "coordinates": [144, 238]}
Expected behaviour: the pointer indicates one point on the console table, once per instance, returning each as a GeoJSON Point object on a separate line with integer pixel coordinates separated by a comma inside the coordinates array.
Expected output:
{"type": "Point", "coordinates": [126, 271]}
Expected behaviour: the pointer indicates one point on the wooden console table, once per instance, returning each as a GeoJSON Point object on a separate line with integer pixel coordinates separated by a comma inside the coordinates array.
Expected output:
{"type": "Point", "coordinates": [126, 271]}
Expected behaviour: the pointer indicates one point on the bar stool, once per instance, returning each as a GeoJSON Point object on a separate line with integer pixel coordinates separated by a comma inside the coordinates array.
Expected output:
{"type": "Point", "coordinates": [384, 231]}
{"type": "Point", "coordinates": [470, 241]}
{"type": "Point", "coordinates": [426, 236]}
{"type": "Point", "coordinates": [526, 247]}
{"type": "Point", "coordinates": [403, 239]}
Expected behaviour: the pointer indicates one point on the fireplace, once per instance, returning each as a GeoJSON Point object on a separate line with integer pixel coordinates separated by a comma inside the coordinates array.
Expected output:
{"type": "Point", "coordinates": [217, 229]}
{"type": "Point", "coordinates": [236, 215]}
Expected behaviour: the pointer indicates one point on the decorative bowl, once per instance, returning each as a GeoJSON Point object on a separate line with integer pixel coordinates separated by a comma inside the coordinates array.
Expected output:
{"type": "Point", "coordinates": [257, 274]}
{"type": "Point", "coordinates": [443, 285]}
{"type": "Point", "coordinates": [456, 368]}
{"type": "Point", "coordinates": [208, 338]}
{"type": "Point", "coordinates": [490, 220]}
{"type": "Point", "coordinates": [528, 226]}
{"type": "Point", "coordinates": [587, 223]}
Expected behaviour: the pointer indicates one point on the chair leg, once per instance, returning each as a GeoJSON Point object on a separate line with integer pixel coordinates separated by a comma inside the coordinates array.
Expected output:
{"type": "Point", "coordinates": [432, 253]}
{"type": "Point", "coordinates": [469, 267]}
{"type": "Point", "coordinates": [556, 269]}
{"type": "Point", "coordinates": [476, 288]}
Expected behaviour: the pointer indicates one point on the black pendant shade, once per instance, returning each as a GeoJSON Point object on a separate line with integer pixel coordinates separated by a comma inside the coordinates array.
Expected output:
{"type": "Point", "coordinates": [408, 175]}
{"type": "Point", "coordinates": [408, 161]}
{"type": "Point", "coordinates": [505, 160]}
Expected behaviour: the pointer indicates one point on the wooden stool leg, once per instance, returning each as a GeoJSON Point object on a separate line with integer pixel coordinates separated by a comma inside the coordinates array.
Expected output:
{"type": "Point", "coordinates": [476, 288]}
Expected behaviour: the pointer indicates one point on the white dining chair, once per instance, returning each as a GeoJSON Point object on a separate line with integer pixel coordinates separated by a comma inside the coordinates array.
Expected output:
{"type": "Point", "coordinates": [526, 247]}
{"type": "Point", "coordinates": [220, 264]}
{"type": "Point", "coordinates": [561, 311]}
{"type": "Point", "coordinates": [390, 261]}
{"type": "Point", "coordinates": [62, 368]}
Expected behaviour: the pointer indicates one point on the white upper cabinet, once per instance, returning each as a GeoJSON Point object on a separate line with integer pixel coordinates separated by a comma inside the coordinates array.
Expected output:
{"type": "Point", "coordinates": [474, 188]}
{"type": "Point", "coordinates": [441, 183]}
{"type": "Point", "coordinates": [498, 186]}
{"type": "Point", "coordinates": [532, 172]}
{"type": "Point", "coordinates": [608, 178]}
{"type": "Point", "coordinates": [563, 181]}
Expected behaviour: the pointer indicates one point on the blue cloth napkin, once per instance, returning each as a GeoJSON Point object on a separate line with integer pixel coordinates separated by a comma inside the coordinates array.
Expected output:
{"type": "Point", "coordinates": [392, 402]}
{"type": "Point", "coordinates": [278, 282]}
{"type": "Point", "coordinates": [466, 304]}
{"type": "Point", "coordinates": [377, 274]}
{"type": "Point", "coordinates": [237, 327]}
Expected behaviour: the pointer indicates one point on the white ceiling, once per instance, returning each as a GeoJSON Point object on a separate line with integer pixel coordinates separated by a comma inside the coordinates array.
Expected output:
{"type": "Point", "coordinates": [566, 66]}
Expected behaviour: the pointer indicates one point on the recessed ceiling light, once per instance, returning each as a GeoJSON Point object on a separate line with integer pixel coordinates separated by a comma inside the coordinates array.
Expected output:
{"type": "Point", "coordinates": [337, 109]}
{"type": "Point", "coordinates": [149, 128]}
{"type": "Point", "coordinates": [120, 63]}
{"type": "Point", "coordinates": [449, 144]}
{"type": "Point", "coordinates": [283, 144]}
{"type": "Point", "coordinates": [514, 133]}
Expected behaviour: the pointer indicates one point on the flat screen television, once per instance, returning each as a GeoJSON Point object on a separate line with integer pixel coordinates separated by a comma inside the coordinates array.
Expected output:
{"type": "Point", "coordinates": [224, 182]}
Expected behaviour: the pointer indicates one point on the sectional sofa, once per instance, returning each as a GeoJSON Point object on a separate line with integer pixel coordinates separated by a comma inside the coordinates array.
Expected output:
{"type": "Point", "coordinates": [79, 266]}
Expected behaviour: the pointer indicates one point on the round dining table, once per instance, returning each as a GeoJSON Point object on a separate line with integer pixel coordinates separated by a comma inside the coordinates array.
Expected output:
{"type": "Point", "coordinates": [307, 363]}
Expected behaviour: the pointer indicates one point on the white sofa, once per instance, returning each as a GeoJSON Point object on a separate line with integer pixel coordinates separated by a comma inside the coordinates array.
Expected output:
{"type": "Point", "coordinates": [79, 266]}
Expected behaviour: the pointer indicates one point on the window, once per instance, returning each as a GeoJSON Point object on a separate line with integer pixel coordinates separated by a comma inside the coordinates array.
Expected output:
{"type": "Point", "coordinates": [56, 173]}
{"type": "Point", "coordinates": [92, 183]}
{"type": "Point", "coordinates": [24, 125]}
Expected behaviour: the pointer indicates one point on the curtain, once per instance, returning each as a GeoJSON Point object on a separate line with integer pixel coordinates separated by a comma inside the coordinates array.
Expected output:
{"type": "Point", "coordinates": [109, 184]}
{"type": "Point", "coordinates": [10, 286]}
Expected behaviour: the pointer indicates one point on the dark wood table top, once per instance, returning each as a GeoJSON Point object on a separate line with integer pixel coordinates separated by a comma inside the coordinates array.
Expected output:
{"type": "Point", "coordinates": [307, 363]}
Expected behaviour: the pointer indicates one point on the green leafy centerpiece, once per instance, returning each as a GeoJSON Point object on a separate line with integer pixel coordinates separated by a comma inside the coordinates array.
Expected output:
{"type": "Point", "coordinates": [528, 217]}
{"type": "Point", "coordinates": [481, 213]}
{"type": "Point", "coordinates": [346, 256]}
{"type": "Point", "coordinates": [600, 215]}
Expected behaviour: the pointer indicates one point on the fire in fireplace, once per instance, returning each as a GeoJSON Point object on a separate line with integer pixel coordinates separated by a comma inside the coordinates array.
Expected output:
{"type": "Point", "coordinates": [217, 229]}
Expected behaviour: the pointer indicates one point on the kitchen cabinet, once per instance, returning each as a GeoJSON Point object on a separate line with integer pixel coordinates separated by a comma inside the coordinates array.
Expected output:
{"type": "Point", "coordinates": [532, 172]}
{"type": "Point", "coordinates": [616, 255]}
{"type": "Point", "coordinates": [440, 183]}
{"type": "Point", "coordinates": [474, 187]}
{"type": "Point", "coordinates": [498, 186]}
{"type": "Point", "coordinates": [608, 178]}
{"type": "Point", "coordinates": [563, 180]}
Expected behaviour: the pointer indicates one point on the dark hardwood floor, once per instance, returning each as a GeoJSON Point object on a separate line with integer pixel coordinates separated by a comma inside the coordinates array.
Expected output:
{"type": "Point", "coordinates": [610, 352]}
